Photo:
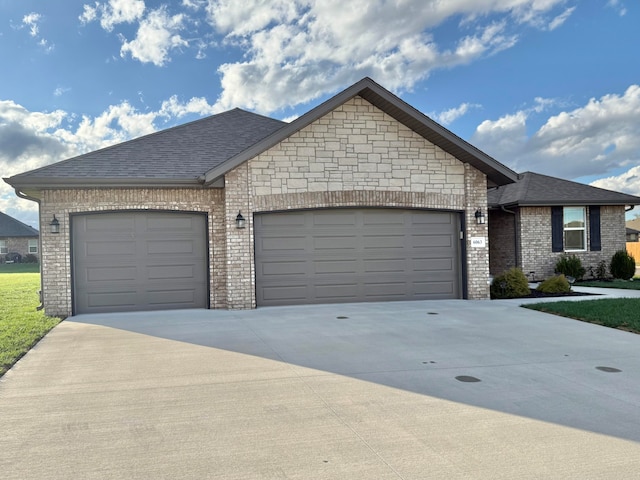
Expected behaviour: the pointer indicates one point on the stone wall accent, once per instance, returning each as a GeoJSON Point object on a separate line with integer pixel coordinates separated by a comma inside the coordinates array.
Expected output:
{"type": "Point", "coordinates": [356, 147]}
{"type": "Point", "coordinates": [356, 155]}
{"type": "Point", "coordinates": [56, 255]}
{"type": "Point", "coordinates": [535, 231]}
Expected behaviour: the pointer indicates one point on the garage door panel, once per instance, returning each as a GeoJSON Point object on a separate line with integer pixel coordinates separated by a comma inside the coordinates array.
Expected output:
{"type": "Point", "coordinates": [102, 274]}
{"type": "Point", "coordinates": [395, 265]}
{"type": "Point", "coordinates": [109, 225]}
{"type": "Point", "coordinates": [334, 242]}
{"type": "Point", "coordinates": [293, 293]}
{"type": "Point", "coordinates": [342, 219]}
{"type": "Point", "coordinates": [170, 247]}
{"type": "Point", "coordinates": [283, 243]}
{"type": "Point", "coordinates": [379, 218]}
{"type": "Point", "coordinates": [164, 223]}
{"type": "Point", "coordinates": [171, 272]}
{"type": "Point", "coordinates": [141, 273]}
{"type": "Point", "coordinates": [357, 255]}
{"type": "Point", "coordinates": [110, 248]}
{"type": "Point", "coordinates": [283, 268]}
{"type": "Point", "coordinates": [334, 291]}
{"type": "Point", "coordinates": [433, 264]}
{"type": "Point", "coordinates": [329, 267]}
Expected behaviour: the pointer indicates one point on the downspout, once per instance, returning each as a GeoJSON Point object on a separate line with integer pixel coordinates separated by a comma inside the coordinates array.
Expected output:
{"type": "Point", "coordinates": [515, 233]}
{"type": "Point", "coordinates": [37, 200]}
{"type": "Point", "coordinates": [631, 207]}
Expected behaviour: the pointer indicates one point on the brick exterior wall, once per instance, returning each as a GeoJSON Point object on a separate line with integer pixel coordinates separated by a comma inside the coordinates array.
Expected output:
{"type": "Point", "coordinates": [535, 232]}
{"type": "Point", "coordinates": [56, 255]}
{"type": "Point", "coordinates": [355, 155]}
{"type": "Point", "coordinates": [502, 241]}
{"type": "Point", "coordinates": [18, 245]}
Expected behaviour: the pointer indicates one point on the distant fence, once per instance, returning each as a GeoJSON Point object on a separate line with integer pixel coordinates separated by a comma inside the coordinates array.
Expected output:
{"type": "Point", "coordinates": [634, 250]}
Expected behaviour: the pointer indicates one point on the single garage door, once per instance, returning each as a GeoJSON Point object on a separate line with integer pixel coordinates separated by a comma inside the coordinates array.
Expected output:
{"type": "Point", "coordinates": [355, 255]}
{"type": "Point", "coordinates": [127, 261]}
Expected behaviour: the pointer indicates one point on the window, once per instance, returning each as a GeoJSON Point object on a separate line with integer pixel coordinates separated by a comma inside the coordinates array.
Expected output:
{"type": "Point", "coordinates": [574, 224]}
{"type": "Point", "coordinates": [3, 246]}
{"type": "Point", "coordinates": [33, 246]}
{"type": "Point", "coordinates": [569, 229]}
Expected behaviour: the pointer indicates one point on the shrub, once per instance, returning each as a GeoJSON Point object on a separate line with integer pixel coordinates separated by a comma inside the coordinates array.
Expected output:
{"type": "Point", "coordinates": [30, 258]}
{"type": "Point", "coordinates": [570, 266]}
{"type": "Point", "coordinates": [600, 272]}
{"type": "Point", "coordinates": [511, 284]}
{"type": "Point", "coordinates": [555, 284]}
{"type": "Point", "coordinates": [623, 265]}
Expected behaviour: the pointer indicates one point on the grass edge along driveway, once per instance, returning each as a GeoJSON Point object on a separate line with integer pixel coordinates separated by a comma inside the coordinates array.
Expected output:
{"type": "Point", "coordinates": [621, 313]}
{"type": "Point", "coordinates": [21, 325]}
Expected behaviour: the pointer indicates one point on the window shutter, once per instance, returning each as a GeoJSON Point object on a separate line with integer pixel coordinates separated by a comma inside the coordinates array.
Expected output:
{"type": "Point", "coordinates": [557, 229]}
{"type": "Point", "coordinates": [595, 242]}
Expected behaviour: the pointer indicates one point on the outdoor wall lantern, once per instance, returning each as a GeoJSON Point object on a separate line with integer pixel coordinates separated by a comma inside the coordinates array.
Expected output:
{"type": "Point", "coordinates": [54, 225]}
{"type": "Point", "coordinates": [240, 221]}
{"type": "Point", "coordinates": [479, 217]}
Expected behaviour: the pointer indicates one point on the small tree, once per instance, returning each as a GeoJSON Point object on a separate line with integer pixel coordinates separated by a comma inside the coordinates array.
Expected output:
{"type": "Point", "coordinates": [570, 266]}
{"type": "Point", "coordinates": [623, 265]}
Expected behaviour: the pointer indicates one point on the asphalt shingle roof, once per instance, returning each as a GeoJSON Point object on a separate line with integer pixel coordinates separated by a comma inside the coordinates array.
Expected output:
{"type": "Point", "coordinates": [184, 152]}
{"type": "Point", "coordinates": [10, 227]}
{"type": "Point", "coordinates": [534, 189]}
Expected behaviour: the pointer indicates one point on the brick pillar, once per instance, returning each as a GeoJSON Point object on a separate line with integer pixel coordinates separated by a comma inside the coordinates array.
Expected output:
{"type": "Point", "coordinates": [239, 251]}
{"type": "Point", "coordinates": [477, 257]}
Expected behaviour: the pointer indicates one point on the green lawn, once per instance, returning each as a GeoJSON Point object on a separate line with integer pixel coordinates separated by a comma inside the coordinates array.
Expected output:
{"type": "Point", "coordinates": [21, 325]}
{"type": "Point", "coordinates": [19, 268]}
{"type": "Point", "coordinates": [611, 312]}
{"type": "Point", "coordinates": [625, 284]}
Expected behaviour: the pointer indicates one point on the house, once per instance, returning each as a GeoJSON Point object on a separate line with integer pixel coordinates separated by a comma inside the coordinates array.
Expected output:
{"type": "Point", "coordinates": [538, 218]}
{"type": "Point", "coordinates": [17, 240]}
{"type": "Point", "coordinates": [632, 234]}
{"type": "Point", "coordinates": [362, 198]}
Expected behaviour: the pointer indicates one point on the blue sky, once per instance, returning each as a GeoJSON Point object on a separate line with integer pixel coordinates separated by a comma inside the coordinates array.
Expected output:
{"type": "Point", "coordinates": [550, 86]}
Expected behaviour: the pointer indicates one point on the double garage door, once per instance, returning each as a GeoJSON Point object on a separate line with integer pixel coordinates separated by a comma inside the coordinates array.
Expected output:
{"type": "Point", "coordinates": [127, 261]}
{"type": "Point", "coordinates": [355, 255]}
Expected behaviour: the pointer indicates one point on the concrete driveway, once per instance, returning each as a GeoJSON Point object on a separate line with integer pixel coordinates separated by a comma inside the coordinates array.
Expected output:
{"type": "Point", "coordinates": [439, 389]}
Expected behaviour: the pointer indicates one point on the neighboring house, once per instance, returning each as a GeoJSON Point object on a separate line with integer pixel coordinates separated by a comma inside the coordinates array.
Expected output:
{"type": "Point", "coordinates": [16, 238]}
{"type": "Point", "coordinates": [362, 198]}
{"type": "Point", "coordinates": [535, 220]}
{"type": "Point", "coordinates": [632, 234]}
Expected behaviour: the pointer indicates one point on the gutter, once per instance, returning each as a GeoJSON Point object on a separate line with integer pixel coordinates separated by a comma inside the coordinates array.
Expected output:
{"type": "Point", "coordinates": [37, 200]}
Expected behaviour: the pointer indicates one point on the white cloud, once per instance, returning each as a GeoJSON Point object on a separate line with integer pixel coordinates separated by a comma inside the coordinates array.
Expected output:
{"type": "Point", "coordinates": [590, 140]}
{"type": "Point", "coordinates": [560, 19]}
{"type": "Point", "coordinates": [298, 50]}
{"type": "Point", "coordinates": [618, 6]}
{"type": "Point", "coordinates": [627, 182]}
{"type": "Point", "coordinates": [59, 91]}
{"type": "Point", "coordinates": [449, 116]}
{"type": "Point", "coordinates": [32, 21]}
{"type": "Point", "coordinates": [113, 12]}
{"type": "Point", "coordinates": [158, 33]}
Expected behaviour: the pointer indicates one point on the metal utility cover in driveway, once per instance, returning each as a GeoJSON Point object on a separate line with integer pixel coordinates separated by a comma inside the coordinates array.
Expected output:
{"type": "Point", "coordinates": [354, 255]}
{"type": "Point", "coordinates": [126, 261]}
